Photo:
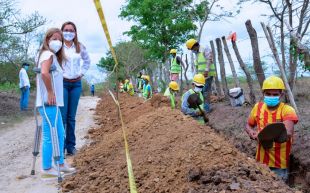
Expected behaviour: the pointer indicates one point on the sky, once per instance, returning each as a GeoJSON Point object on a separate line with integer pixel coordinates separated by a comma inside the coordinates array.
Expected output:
{"type": "Point", "coordinates": [90, 32]}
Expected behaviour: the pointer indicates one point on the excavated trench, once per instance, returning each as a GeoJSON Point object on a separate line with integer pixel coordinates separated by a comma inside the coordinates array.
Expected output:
{"type": "Point", "coordinates": [170, 153]}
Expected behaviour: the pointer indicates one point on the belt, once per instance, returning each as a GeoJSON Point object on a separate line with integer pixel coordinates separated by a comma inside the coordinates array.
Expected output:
{"type": "Point", "coordinates": [73, 80]}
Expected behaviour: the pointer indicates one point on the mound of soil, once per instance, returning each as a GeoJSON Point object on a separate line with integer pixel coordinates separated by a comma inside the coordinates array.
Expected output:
{"type": "Point", "coordinates": [170, 152]}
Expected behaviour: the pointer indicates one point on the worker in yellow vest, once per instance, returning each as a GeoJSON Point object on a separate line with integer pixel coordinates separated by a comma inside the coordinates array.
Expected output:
{"type": "Point", "coordinates": [147, 89]}
{"type": "Point", "coordinates": [205, 66]}
{"type": "Point", "coordinates": [131, 90]}
{"type": "Point", "coordinates": [171, 92]}
{"type": "Point", "coordinates": [175, 68]}
{"type": "Point", "coordinates": [192, 100]}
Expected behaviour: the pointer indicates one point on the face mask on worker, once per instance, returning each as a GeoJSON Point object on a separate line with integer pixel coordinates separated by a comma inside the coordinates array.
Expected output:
{"type": "Point", "coordinates": [55, 45]}
{"type": "Point", "coordinates": [272, 101]}
{"type": "Point", "coordinates": [26, 67]}
{"type": "Point", "coordinates": [69, 36]}
{"type": "Point", "coordinates": [198, 89]}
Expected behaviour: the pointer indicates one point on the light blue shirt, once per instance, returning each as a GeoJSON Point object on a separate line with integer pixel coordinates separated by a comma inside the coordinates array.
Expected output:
{"type": "Point", "coordinates": [185, 106]}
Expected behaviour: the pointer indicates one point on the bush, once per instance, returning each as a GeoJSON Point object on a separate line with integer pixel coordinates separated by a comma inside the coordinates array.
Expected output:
{"type": "Point", "coordinates": [7, 86]}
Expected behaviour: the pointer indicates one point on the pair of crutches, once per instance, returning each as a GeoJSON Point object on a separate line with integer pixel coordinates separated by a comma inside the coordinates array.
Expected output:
{"type": "Point", "coordinates": [53, 129]}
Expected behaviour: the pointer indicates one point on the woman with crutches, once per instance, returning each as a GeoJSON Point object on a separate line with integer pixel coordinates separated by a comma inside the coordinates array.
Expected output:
{"type": "Point", "coordinates": [48, 100]}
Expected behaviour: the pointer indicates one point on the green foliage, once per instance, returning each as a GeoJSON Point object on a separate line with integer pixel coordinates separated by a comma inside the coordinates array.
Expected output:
{"type": "Point", "coordinates": [17, 34]}
{"type": "Point", "coordinates": [159, 25]}
{"type": "Point", "coordinates": [131, 57]}
{"type": "Point", "coordinates": [7, 86]}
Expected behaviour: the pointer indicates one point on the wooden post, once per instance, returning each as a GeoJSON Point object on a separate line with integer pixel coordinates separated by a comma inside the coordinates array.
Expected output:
{"type": "Point", "coordinates": [256, 56]}
{"type": "Point", "coordinates": [185, 71]}
{"type": "Point", "coordinates": [222, 66]}
{"type": "Point", "coordinates": [217, 82]}
{"type": "Point", "coordinates": [246, 72]}
{"type": "Point", "coordinates": [270, 40]}
{"type": "Point", "coordinates": [232, 66]}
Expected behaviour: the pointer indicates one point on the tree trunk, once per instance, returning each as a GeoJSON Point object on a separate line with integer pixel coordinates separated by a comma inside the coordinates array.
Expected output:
{"type": "Point", "coordinates": [232, 66]}
{"type": "Point", "coordinates": [217, 82]}
{"type": "Point", "coordinates": [256, 56]}
{"type": "Point", "coordinates": [270, 39]}
{"type": "Point", "coordinates": [246, 72]}
{"type": "Point", "coordinates": [222, 66]}
{"type": "Point", "coordinates": [185, 71]}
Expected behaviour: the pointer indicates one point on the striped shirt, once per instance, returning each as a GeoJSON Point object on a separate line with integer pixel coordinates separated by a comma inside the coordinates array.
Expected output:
{"type": "Point", "coordinates": [261, 116]}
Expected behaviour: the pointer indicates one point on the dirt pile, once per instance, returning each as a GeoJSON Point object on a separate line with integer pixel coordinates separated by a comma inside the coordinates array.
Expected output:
{"type": "Point", "coordinates": [170, 153]}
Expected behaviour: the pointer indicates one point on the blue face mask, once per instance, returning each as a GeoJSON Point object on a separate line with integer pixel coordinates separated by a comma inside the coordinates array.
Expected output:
{"type": "Point", "coordinates": [272, 101]}
{"type": "Point", "coordinates": [26, 67]}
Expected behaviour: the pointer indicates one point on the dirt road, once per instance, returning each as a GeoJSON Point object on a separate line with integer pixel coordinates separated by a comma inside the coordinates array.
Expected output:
{"type": "Point", "coordinates": [16, 146]}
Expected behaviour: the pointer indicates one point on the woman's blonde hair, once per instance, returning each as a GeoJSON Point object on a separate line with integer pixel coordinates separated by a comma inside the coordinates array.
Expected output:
{"type": "Point", "coordinates": [45, 45]}
{"type": "Point", "coordinates": [75, 40]}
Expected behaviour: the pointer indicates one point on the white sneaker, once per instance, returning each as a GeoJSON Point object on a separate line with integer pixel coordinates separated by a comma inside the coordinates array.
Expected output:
{"type": "Point", "coordinates": [50, 174]}
{"type": "Point", "coordinates": [67, 169]}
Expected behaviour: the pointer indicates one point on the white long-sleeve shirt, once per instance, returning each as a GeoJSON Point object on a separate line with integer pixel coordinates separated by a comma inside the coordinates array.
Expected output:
{"type": "Point", "coordinates": [23, 78]}
{"type": "Point", "coordinates": [73, 68]}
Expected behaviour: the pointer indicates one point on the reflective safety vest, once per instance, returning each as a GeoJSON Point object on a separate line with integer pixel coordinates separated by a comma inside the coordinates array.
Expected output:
{"type": "Point", "coordinates": [171, 97]}
{"type": "Point", "coordinates": [126, 87]}
{"type": "Point", "coordinates": [175, 67]}
{"type": "Point", "coordinates": [146, 92]}
{"type": "Point", "coordinates": [201, 64]}
{"type": "Point", "coordinates": [131, 91]}
{"type": "Point", "coordinates": [191, 91]}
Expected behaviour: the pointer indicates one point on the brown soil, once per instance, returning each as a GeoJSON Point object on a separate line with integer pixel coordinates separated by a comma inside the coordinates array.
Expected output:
{"type": "Point", "coordinates": [230, 123]}
{"type": "Point", "coordinates": [170, 153]}
{"type": "Point", "coordinates": [10, 110]}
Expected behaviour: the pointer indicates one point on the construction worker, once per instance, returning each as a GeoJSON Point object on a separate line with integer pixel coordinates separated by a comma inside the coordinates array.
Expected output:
{"type": "Point", "coordinates": [272, 110]}
{"type": "Point", "coordinates": [147, 89]}
{"type": "Point", "coordinates": [126, 85]}
{"type": "Point", "coordinates": [190, 104]}
{"type": "Point", "coordinates": [140, 82]}
{"type": "Point", "coordinates": [170, 93]}
{"type": "Point", "coordinates": [205, 66]}
{"type": "Point", "coordinates": [131, 90]}
{"type": "Point", "coordinates": [175, 69]}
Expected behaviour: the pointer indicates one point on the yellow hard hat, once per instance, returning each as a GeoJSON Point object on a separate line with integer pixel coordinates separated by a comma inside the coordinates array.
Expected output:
{"type": "Point", "coordinates": [190, 43]}
{"type": "Point", "coordinates": [147, 77]}
{"type": "Point", "coordinates": [126, 80]}
{"type": "Point", "coordinates": [199, 80]}
{"type": "Point", "coordinates": [173, 51]}
{"type": "Point", "coordinates": [174, 85]}
{"type": "Point", "coordinates": [273, 82]}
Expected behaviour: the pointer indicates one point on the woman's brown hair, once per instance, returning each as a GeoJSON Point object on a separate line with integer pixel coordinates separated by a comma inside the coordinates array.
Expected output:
{"type": "Point", "coordinates": [60, 54]}
{"type": "Point", "coordinates": [75, 40]}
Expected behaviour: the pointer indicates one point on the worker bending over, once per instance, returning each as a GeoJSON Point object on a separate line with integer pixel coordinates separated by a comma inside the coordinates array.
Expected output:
{"type": "Point", "coordinates": [171, 92]}
{"type": "Point", "coordinates": [272, 110]}
{"type": "Point", "coordinates": [192, 100]}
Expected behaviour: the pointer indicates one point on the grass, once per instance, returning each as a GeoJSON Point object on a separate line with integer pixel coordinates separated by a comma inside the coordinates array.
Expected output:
{"type": "Point", "coordinates": [9, 87]}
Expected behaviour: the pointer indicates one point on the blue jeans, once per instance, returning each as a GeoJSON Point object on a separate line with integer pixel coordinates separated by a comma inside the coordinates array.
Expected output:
{"type": "Point", "coordinates": [206, 92]}
{"type": "Point", "coordinates": [281, 173]}
{"type": "Point", "coordinates": [24, 98]}
{"type": "Point", "coordinates": [47, 148]}
{"type": "Point", "coordinates": [72, 92]}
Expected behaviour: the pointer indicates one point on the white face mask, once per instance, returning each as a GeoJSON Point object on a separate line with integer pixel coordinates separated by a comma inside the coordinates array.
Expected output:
{"type": "Point", "coordinates": [197, 89]}
{"type": "Point", "coordinates": [69, 36]}
{"type": "Point", "coordinates": [55, 45]}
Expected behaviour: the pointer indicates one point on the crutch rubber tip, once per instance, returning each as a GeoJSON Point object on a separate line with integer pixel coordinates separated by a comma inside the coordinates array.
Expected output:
{"type": "Point", "coordinates": [32, 172]}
